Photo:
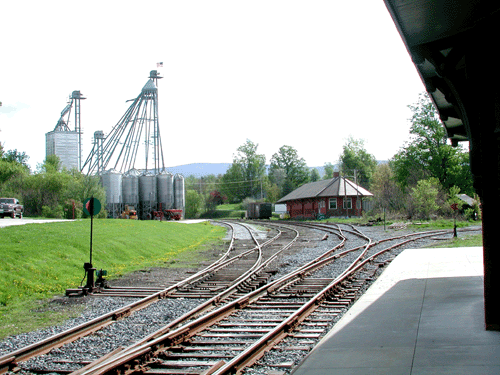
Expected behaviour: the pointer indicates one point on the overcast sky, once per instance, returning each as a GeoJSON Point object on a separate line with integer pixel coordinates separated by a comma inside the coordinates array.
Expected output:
{"type": "Point", "coordinates": [307, 74]}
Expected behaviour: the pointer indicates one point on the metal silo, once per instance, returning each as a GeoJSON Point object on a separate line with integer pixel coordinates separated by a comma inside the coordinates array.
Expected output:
{"type": "Point", "coordinates": [147, 195]}
{"type": "Point", "coordinates": [165, 185]}
{"type": "Point", "coordinates": [112, 183]}
{"type": "Point", "coordinates": [63, 144]}
{"type": "Point", "coordinates": [130, 188]}
{"type": "Point", "coordinates": [179, 200]}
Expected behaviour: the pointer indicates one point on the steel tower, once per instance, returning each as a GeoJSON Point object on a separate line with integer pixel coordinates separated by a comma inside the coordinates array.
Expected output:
{"type": "Point", "coordinates": [76, 96]}
{"type": "Point", "coordinates": [139, 125]}
{"type": "Point", "coordinates": [64, 142]}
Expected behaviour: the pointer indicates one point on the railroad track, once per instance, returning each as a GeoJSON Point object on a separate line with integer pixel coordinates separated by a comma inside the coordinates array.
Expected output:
{"type": "Point", "coordinates": [298, 305]}
{"type": "Point", "coordinates": [242, 261]}
{"type": "Point", "coordinates": [238, 334]}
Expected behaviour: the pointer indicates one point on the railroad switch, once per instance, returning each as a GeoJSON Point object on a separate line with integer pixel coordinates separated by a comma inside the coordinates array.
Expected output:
{"type": "Point", "coordinates": [90, 272]}
{"type": "Point", "coordinates": [93, 285]}
{"type": "Point", "coordinates": [101, 281]}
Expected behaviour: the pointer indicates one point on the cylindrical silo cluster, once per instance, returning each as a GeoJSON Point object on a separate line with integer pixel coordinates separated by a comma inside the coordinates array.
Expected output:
{"type": "Point", "coordinates": [146, 192]}
{"type": "Point", "coordinates": [130, 183]}
{"type": "Point", "coordinates": [147, 195]}
{"type": "Point", "coordinates": [112, 181]}
{"type": "Point", "coordinates": [179, 197]}
{"type": "Point", "coordinates": [165, 185]}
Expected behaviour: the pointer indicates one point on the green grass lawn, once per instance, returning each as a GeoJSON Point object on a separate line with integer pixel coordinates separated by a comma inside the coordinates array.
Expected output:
{"type": "Point", "coordinates": [226, 211]}
{"type": "Point", "coordinates": [229, 207]}
{"type": "Point", "coordinates": [471, 240]}
{"type": "Point", "coordinates": [40, 261]}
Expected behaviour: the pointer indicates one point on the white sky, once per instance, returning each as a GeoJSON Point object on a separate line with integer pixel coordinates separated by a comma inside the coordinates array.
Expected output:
{"type": "Point", "coordinates": [307, 74]}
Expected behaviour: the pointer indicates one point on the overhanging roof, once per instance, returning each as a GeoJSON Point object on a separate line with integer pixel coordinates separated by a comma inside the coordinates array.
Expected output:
{"type": "Point", "coordinates": [335, 187]}
{"type": "Point", "coordinates": [436, 33]}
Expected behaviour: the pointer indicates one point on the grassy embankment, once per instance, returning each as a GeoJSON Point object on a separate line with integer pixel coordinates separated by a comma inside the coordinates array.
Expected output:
{"type": "Point", "coordinates": [40, 261]}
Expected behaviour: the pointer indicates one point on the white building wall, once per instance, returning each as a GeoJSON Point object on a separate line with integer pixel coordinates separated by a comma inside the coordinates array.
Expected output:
{"type": "Point", "coordinates": [64, 144]}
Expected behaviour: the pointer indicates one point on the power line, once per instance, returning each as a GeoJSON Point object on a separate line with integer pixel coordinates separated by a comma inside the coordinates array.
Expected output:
{"type": "Point", "coordinates": [220, 183]}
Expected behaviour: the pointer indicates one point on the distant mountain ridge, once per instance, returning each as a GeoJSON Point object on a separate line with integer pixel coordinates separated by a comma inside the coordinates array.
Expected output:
{"type": "Point", "coordinates": [200, 169]}
{"type": "Point", "coordinates": [206, 169]}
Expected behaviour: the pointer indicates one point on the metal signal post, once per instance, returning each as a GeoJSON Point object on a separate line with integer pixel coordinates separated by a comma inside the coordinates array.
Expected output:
{"type": "Point", "coordinates": [92, 207]}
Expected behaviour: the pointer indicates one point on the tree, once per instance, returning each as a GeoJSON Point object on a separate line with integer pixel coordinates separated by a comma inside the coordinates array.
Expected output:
{"type": "Point", "coordinates": [272, 190]}
{"type": "Point", "coordinates": [215, 198]}
{"type": "Point", "coordinates": [9, 170]}
{"type": "Point", "coordinates": [43, 194]}
{"type": "Point", "coordinates": [12, 164]}
{"type": "Point", "coordinates": [50, 192]}
{"type": "Point", "coordinates": [243, 178]}
{"type": "Point", "coordinates": [453, 199]}
{"type": "Point", "coordinates": [329, 169]}
{"type": "Point", "coordinates": [424, 197]}
{"type": "Point", "coordinates": [277, 176]}
{"type": "Point", "coordinates": [314, 175]}
{"type": "Point", "coordinates": [386, 193]}
{"type": "Point", "coordinates": [194, 203]}
{"type": "Point", "coordinates": [81, 186]}
{"type": "Point", "coordinates": [234, 184]}
{"type": "Point", "coordinates": [356, 160]}
{"type": "Point", "coordinates": [52, 163]}
{"type": "Point", "coordinates": [428, 153]}
{"type": "Point", "coordinates": [204, 185]}
{"type": "Point", "coordinates": [17, 157]}
{"type": "Point", "coordinates": [286, 162]}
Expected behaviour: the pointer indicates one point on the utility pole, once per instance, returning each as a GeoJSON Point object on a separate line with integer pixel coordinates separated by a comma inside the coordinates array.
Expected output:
{"type": "Point", "coordinates": [345, 192]}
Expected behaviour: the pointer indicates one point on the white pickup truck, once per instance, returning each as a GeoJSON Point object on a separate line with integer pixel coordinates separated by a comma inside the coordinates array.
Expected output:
{"type": "Point", "coordinates": [11, 207]}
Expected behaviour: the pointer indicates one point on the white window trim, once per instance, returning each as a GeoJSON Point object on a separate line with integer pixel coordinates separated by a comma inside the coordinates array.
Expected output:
{"type": "Point", "coordinates": [330, 201]}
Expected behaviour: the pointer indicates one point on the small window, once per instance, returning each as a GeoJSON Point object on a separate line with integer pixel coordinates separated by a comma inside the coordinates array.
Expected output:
{"type": "Point", "coordinates": [347, 203]}
{"type": "Point", "coordinates": [358, 203]}
{"type": "Point", "coordinates": [332, 203]}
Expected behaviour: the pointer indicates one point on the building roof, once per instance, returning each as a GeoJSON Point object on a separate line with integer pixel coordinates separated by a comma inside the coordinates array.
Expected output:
{"type": "Point", "coordinates": [335, 187]}
{"type": "Point", "coordinates": [437, 34]}
{"type": "Point", "coordinates": [465, 198]}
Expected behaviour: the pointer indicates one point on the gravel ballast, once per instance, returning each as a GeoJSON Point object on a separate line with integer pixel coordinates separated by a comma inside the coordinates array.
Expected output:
{"type": "Point", "coordinates": [147, 320]}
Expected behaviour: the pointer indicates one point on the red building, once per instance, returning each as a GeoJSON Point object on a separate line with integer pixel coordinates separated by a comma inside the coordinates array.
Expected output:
{"type": "Point", "coordinates": [335, 197]}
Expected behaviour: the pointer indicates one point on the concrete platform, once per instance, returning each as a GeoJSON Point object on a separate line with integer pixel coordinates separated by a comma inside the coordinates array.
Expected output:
{"type": "Point", "coordinates": [424, 315]}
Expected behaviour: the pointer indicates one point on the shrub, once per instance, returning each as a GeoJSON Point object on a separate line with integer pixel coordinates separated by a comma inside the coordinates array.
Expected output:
{"type": "Point", "coordinates": [246, 202]}
{"type": "Point", "coordinates": [55, 213]}
{"type": "Point", "coordinates": [73, 209]}
{"type": "Point", "coordinates": [471, 214]}
{"type": "Point", "coordinates": [424, 197]}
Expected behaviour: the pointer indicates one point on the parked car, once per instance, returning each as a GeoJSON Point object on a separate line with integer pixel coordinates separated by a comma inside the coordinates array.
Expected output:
{"type": "Point", "coordinates": [11, 207]}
